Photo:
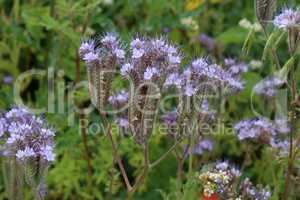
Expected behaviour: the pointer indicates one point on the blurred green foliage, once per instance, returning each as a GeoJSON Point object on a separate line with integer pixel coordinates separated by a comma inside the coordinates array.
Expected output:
{"type": "Point", "coordinates": [45, 35]}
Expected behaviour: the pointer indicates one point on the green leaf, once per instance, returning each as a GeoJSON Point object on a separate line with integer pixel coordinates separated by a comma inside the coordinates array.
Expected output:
{"type": "Point", "coordinates": [235, 35]}
{"type": "Point", "coordinates": [248, 42]}
{"type": "Point", "coordinates": [283, 73]}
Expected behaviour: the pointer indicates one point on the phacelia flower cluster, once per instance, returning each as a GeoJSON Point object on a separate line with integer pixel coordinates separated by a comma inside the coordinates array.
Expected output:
{"type": "Point", "coordinates": [206, 115]}
{"type": "Point", "coordinates": [208, 42]}
{"type": "Point", "coordinates": [235, 68]}
{"type": "Point", "coordinates": [101, 57]}
{"type": "Point", "coordinates": [94, 52]}
{"type": "Point", "coordinates": [204, 145]}
{"type": "Point", "coordinates": [119, 103]}
{"type": "Point", "coordinates": [151, 60]}
{"type": "Point", "coordinates": [201, 75]}
{"type": "Point", "coordinates": [262, 130]}
{"type": "Point", "coordinates": [249, 191]}
{"type": "Point", "coordinates": [26, 136]}
{"type": "Point", "coordinates": [269, 86]}
{"type": "Point", "coordinates": [287, 19]}
{"type": "Point", "coordinates": [119, 100]}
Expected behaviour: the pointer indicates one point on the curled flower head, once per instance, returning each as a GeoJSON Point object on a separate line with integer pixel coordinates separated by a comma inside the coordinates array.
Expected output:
{"type": "Point", "coordinates": [288, 18]}
{"type": "Point", "coordinates": [27, 136]}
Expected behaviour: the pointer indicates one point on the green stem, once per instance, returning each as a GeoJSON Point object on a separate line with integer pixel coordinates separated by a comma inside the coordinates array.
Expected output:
{"type": "Point", "coordinates": [292, 116]}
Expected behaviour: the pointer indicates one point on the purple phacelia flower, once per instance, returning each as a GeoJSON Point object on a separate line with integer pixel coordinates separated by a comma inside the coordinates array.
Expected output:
{"type": "Point", "coordinates": [27, 136]}
{"type": "Point", "coordinates": [47, 153]}
{"type": "Point", "coordinates": [91, 58]}
{"type": "Point", "coordinates": [120, 53]}
{"type": "Point", "coordinates": [205, 145]}
{"type": "Point", "coordinates": [201, 73]}
{"type": "Point", "coordinates": [208, 42]}
{"type": "Point", "coordinates": [288, 18]}
{"type": "Point", "coordinates": [126, 68]}
{"type": "Point", "coordinates": [150, 72]}
{"type": "Point", "coordinates": [189, 90]}
{"type": "Point", "coordinates": [119, 99]}
{"type": "Point", "coordinates": [137, 43]}
{"type": "Point", "coordinates": [268, 87]}
{"type": "Point", "coordinates": [137, 53]}
{"type": "Point", "coordinates": [249, 191]}
{"type": "Point", "coordinates": [200, 65]}
{"type": "Point", "coordinates": [170, 118]}
{"type": "Point", "coordinates": [109, 39]}
{"type": "Point", "coordinates": [108, 51]}
{"type": "Point", "coordinates": [151, 57]}
{"type": "Point", "coordinates": [26, 153]}
{"type": "Point", "coordinates": [174, 59]}
{"type": "Point", "coordinates": [206, 115]}
{"type": "Point", "coordinates": [254, 128]}
{"type": "Point", "coordinates": [173, 79]}
{"type": "Point", "coordinates": [7, 79]}
{"type": "Point", "coordinates": [235, 68]}
{"type": "Point", "coordinates": [86, 47]}
{"type": "Point", "coordinates": [122, 123]}
{"type": "Point", "coordinates": [260, 129]}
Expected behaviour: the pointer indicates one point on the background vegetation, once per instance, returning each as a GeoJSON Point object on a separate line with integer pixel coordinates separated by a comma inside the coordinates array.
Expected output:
{"type": "Point", "coordinates": [45, 35]}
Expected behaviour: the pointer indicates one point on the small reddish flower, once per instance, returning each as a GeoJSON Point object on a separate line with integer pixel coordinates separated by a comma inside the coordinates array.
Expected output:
{"type": "Point", "coordinates": [211, 197]}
